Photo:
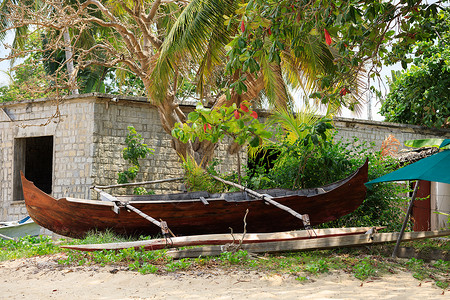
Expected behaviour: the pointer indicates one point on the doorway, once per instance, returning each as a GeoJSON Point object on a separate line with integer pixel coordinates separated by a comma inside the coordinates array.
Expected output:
{"type": "Point", "coordinates": [34, 157]}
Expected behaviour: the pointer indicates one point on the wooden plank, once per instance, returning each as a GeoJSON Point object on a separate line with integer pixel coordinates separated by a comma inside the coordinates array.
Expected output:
{"type": "Point", "coordinates": [137, 183]}
{"type": "Point", "coordinates": [310, 244]}
{"type": "Point", "coordinates": [221, 239]}
{"type": "Point", "coordinates": [204, 200]}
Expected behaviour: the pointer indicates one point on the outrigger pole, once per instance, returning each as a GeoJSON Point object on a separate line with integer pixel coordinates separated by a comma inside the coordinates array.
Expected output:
{"type": "Point", "coordinates": [108, 197]}
{"type": "Point", "coordinates": [268, 199]}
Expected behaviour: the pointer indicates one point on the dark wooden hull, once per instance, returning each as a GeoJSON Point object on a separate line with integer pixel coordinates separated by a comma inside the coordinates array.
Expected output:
{"type": "Point", "coordinates": [186, 214]}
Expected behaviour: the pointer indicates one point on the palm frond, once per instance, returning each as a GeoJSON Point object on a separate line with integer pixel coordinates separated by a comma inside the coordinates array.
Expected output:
{"type": "Point", "coordinates": [198, 32]}
{"type": "Point", "coordinates": [293, 124]}
{"type": "Point", "coordinates": [274, 84]}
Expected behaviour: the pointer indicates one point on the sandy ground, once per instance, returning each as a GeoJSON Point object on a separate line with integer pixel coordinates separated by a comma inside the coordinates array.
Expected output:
{"type": "Point", "coordinates": [43, 278]}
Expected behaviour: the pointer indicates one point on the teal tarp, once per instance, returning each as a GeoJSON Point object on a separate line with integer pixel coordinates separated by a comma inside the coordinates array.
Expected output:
{"type": "Point", "coordinates": [445, 143]}
{"type": "Point", "coordinates": [432, 168]}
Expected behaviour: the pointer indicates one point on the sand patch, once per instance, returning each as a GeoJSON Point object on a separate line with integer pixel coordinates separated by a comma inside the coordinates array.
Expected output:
{"type": "Point", "coordinates": [44, 278]}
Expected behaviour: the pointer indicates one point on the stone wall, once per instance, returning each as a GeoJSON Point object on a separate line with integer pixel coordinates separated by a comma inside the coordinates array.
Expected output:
{"type": "Point", "coordinates": [377, 132]}
{"type": "Point", "coordinates": [111, 123]}
{"type": "Point", "coordinates": [71, 129]}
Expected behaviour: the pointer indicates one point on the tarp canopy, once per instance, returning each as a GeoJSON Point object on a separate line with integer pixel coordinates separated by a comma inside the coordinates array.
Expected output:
{"type": "Point", "coordinates": [433, 168]}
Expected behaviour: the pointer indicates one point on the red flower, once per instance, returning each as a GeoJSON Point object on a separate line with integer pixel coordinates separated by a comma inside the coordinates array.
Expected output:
{"type": "Point", "coordinates": [270, 32]}
{"type": "Point", "coordinates": [237, 115]}
{"type": "Point", "coordinates": [344, 91]}
{"type": "Point", "coordinates": [242, 26]}
{"type": "Point", "coordinates": [244, 107]}
{"type": "Point", "coordinates": [327, 37]}
{"type": "Point", "coordinates": [206, 126]}
{"type": "Point", "coordinates": [254, 114]}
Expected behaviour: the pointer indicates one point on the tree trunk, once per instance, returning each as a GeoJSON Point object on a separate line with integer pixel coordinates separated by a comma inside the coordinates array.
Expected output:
{"type": "Point", "coordinates": [203, 152]}
{"type": "Point", "coordinates": [170, 114]}
{"type": "Point", "coordinates": [69, 64]}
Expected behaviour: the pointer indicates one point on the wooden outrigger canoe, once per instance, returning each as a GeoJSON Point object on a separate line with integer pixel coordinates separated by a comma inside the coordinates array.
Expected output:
{"type": "Point", "coordinates": [196, 212]}
{"type": "Point", "coordinates": [222, 239]}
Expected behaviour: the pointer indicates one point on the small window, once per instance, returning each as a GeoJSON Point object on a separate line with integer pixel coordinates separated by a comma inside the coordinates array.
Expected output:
{"type": "Point", "coordinates": [34, 157]}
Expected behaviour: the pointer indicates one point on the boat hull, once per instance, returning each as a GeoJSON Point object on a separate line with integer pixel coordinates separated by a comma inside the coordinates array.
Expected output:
{"type": "Point", "coordinates": [18, 229]}
{"type": "Point", "coordinates": [75, 217]}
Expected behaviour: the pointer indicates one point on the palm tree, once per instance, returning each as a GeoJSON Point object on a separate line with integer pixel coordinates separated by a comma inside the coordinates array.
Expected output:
{"type": "Point", "coordinates": [200, 35]}
{"type": "Point", "coordinates": [161, 42]}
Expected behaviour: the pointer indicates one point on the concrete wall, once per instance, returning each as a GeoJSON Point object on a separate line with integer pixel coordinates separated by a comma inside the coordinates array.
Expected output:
{"type": "Point", "coordinates": [377, 132]}
{"type": "Point", "coordinates": [89, 134]}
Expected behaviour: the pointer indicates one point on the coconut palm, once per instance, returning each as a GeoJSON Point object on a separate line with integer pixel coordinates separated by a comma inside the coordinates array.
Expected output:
{"type": "Point", "coordinates": [161, 42]}
{"type": "Point", "coordinates": [200, 35]}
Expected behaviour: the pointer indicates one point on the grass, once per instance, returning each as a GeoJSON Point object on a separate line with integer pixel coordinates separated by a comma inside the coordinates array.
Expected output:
{"type": "Point", "coordinates": [363, 263]}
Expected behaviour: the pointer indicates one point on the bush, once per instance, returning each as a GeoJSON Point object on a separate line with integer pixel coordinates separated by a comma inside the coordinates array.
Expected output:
{"type": "Point", "coordinates": [300, 168]}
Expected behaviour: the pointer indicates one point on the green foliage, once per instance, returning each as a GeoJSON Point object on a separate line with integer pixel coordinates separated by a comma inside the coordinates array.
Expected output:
{"type": "Point", "coordinates": [134, 151]}
{"type": "Point", "coordinates": [241, 124]}
{"type": "Point", "coordinates": [234, 257]}
{"type": "Point", "coordinates": [419, 143]}
{"type": "Point", "coordinates": [27, 246]}
{"type": "Point", "coordinates": [317, 267]}
{"type": "Point", "coordinates": [299, 166]}
{"type": "Point", "coordinates": [29, 79]}
{"type": "Point", "coordinates": [101, 237]}
{"type": "Point", "coordinates": [417, 267]}
{"type": "Point", "coordinates": [420, 95]}
{"type": "Point", "coordinates": [143, 268]}
{"type": "Point", "coordinates": [198, 179]}
{"type": "Point", "coordinates": [135, 147]}
{"type": "Point", "coordinates": [364, 269]}
{"type": "Point", "coordinates": [328, 41]}
{"type": "Point", "coordinates": [181, 264]}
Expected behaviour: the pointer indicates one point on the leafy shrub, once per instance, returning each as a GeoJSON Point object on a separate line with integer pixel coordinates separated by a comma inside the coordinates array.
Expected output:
{"type": "Point", "coordinates": [134, 151]}
{"type": "Point", "coordinates": [298, 167]}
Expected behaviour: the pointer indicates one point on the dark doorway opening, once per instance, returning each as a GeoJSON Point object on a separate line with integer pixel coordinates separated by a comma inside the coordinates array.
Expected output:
{"type": "Point", "coordinates": [33, 156]}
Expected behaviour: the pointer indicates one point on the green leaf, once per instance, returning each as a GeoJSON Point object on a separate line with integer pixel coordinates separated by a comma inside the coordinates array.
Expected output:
{"type": "Point", "coordinates": [255, 142]}
{"type": "Point", "coordinates": [424, 143]}
{"type": "Point", "coordinates": [193, 116]}
{"type": "Point", "coordinates": [266, 134]}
